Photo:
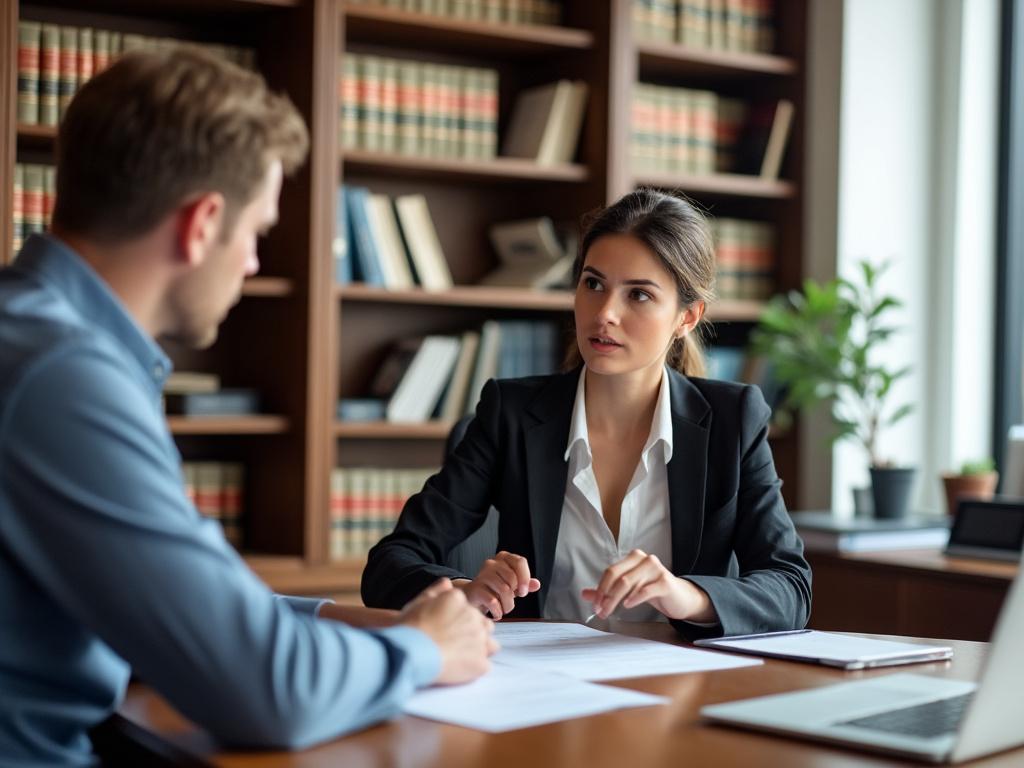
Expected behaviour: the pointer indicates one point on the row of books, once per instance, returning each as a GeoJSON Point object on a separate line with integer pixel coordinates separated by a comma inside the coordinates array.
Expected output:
{"type": "Point", "coordinates": [745, 256]}
{"type": "Point", "coordinates": [32, 205]}
{"type": "Point", "coordinates": [55, 61]}
{"type": "Point", "coordinates": [365, 504]}
{"type": "Point", "coordinates": [701, 132]}
{"type": "Point", "coordinates": [391, 244]}
{"type": "Point", "coordinates": [734, 25]}
{"type": "Point", "coordinates": [440, 377]}
{"type": "Point", "coordinates": [508, 11]}
{"type": "Point", "coordinates": [215, 487]}
{"type": "Point", "coordinates": [418, 108]}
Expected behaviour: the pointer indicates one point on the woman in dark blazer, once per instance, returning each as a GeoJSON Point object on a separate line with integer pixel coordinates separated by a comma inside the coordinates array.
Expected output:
{"type": "Point", "coordinates": [628, 486]}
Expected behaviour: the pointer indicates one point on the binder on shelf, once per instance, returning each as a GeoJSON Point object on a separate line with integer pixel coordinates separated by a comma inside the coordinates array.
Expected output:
{"type": "Point", "coordinates": [545, 123]}
{"type": "Point", "coordinates": [424, 246]}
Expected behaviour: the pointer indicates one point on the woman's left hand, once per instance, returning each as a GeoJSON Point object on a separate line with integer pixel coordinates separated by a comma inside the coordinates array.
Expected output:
{"type": "Point", "coordinates": [642, 578]}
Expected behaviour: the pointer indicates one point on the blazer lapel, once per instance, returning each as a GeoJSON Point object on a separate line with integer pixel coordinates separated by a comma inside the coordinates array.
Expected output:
{"type": "Point", "coordinates": [687, 471]}
{"type": "Point", "coordinates": [547, 469]}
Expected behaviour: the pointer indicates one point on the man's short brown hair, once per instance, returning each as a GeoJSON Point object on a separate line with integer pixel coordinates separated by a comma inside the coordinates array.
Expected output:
{"type": "Point", "coordinates": [156, 129]}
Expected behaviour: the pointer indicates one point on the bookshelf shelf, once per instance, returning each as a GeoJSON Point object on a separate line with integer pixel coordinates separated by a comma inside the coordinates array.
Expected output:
{"type": "Point", "coordinates": [262, 424]}
{"type": "Point", "coordinates": [721, 184]}
{"type": "Point", "coordinates": [267, 286]}
{"type": "Point", "coordinates": [462, 296]}
{"type": "Point", "coordinates": [385, 430]}
{"type": "Point", "coordinates": [393, 26]}
{"type": "Point", "coordinates": [667, 60]}
{"type": "Point", "coordinates": [498, 169]}
{"type": "Point", "coordinates": [39, 137]}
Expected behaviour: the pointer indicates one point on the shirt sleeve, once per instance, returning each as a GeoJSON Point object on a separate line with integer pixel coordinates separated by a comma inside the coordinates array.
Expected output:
{"type": "Point", "coordinates": [101, 522]}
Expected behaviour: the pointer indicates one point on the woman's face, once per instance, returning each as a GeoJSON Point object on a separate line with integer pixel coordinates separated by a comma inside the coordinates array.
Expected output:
{"type": "Point", "coordinates": [627, 307]}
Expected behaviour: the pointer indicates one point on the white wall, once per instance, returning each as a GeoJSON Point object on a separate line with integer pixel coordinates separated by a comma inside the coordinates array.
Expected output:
{"type": "Point", "coordinates": [916, 186]}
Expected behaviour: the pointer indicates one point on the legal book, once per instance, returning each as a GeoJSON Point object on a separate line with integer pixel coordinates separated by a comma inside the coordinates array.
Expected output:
{"type": "Point", "coordinates": [823, 532]}
{"type": "Point", "coordinates": [226, 402]}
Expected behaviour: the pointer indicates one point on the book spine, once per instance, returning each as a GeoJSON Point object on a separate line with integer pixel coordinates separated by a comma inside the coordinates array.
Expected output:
{"type": "Point", "coordinates": [232, 505]}
{"type": "Point", "coordinates": [336, 533]}
{"type": "Point", "coordinates": [348, 100]}
{"type": "Point", "coordinates": [18, 208]}
{"type": "Point", "coordinates": [388, 105]}
{"type": "Point", "coordinates": [67, 78]}
{"type": "Point", "coordinates": [369, 68]}
{"type": "Point", "coordinates": [49, 74]}
{"type": "Point", "coordinates": [86, 55]}
{"type": "Point", "coordinates": [32, 200]}
{"type": "Point", "coordinates": [29, 37]}
{"type": "Point", "coordinates": [409, 118]}
{"type": "Point", "coordinates": [49, 193]}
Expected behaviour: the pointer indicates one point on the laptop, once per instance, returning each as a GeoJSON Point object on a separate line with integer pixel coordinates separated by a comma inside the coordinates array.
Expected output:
{"type": "Point", "coordinates": [929, 718]}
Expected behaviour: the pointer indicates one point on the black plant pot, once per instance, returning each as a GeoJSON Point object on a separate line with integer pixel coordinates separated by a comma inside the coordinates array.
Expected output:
{"type": "Point", "coordinates": [890, 490]}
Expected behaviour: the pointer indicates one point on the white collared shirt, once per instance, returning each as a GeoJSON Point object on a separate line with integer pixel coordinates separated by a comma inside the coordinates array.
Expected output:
{"type": "Point", "coordinates": [586, 546]}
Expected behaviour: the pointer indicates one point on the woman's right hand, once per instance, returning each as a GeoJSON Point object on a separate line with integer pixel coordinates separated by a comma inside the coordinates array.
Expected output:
{"type": "Point", "coordinates": [500, 581]}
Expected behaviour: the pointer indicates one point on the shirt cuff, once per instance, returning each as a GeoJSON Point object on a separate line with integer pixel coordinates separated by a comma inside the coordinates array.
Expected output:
{"type": "Point", "coordinates": [422, 652]}
{"type": "Point", "coordinates": [308, 605]}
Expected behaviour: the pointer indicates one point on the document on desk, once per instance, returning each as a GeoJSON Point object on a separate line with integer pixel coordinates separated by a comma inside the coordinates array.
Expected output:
{"type": "Point", "coordinates": [831, 649]}
{"type": "Point", "coordinates": [507, 698]}
{"type": "Point", "coordinates": [590, 654]}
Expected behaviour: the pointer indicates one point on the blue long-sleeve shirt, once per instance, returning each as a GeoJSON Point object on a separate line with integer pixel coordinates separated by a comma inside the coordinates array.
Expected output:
{"type": "Point", "coordinates": [104, 563]}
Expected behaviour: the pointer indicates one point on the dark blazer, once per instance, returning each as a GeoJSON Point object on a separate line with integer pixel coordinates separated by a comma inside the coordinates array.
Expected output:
{"type": "Point", "coordinates": [731, 534]}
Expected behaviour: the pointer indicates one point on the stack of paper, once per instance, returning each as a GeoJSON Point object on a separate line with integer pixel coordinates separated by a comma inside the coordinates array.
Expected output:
{"type": "Point", "coordinates": [541, 675]}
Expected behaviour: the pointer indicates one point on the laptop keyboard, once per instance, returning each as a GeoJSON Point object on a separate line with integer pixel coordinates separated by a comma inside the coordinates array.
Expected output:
{"type": "Point", "coordinates": [925, 720]}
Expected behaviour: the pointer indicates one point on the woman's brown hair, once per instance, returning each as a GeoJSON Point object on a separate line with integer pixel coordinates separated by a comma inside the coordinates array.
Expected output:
{"type": "Point", "coordinates": [677, 233]}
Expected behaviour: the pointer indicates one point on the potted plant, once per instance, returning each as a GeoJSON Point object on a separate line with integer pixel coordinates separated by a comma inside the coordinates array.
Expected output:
{"type": "Point", "coordinates": [819, 344]}
{"type": "Point", "coordinates": [975, 480]}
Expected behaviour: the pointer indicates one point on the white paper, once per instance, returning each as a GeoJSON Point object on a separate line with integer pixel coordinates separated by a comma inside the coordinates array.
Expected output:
{"type": "Point", "coordinates": [507, 698]}
{"type": "Point", "coordinates": [829, 645]}
{"type": "Point", "coordinates": [589, 654]}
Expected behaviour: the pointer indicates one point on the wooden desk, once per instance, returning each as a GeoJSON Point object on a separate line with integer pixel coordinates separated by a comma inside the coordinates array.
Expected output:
{"type": "Point", "coordinates": [669, 736]}
{"type": "Point", "coordinates": [921, 593]}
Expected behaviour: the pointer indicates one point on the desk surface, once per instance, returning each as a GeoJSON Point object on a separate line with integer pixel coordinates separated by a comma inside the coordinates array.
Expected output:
{"type": "Point", "coordinates": [670, 735]}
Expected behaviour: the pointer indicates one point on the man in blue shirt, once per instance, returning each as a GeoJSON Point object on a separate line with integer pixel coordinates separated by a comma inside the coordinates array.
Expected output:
{"type": "Point", "coordinates": [169, 167]}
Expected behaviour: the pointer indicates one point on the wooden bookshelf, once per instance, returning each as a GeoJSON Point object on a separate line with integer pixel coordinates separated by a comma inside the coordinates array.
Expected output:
{"type": "Point", "coordinates": [462, 296]}
{"type": "Point", "coordinates": [499, 169]}
{"type": "Point", "coordinates": [267, 286]}
{"type": "Point", "coordinates": [408, 29]}
{"type": "Point", "coordinates": [258, 424]}
{"type": "Point", "coordinates": [307, 342]}
{"type": "Point", "coordinates": [730, 184]}
{"type": "Point", "coordinates": [669, 59]}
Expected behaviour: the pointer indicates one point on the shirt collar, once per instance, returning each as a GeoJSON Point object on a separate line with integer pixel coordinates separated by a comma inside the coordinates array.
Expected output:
{"type": "Point", "coordinates": [661, 424]}
{"type": "Point", "coordinates": [54, 262]}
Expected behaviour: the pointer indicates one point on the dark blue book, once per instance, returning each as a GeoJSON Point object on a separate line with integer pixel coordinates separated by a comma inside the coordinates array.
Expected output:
{"type": "Point", "coordinates": [362, 246]}
{"type": "Point", "coordinates": [342, 246]}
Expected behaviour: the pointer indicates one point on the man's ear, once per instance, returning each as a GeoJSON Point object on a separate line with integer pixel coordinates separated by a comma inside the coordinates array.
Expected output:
{"type": "Point", "coordinates": [198, 227]}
